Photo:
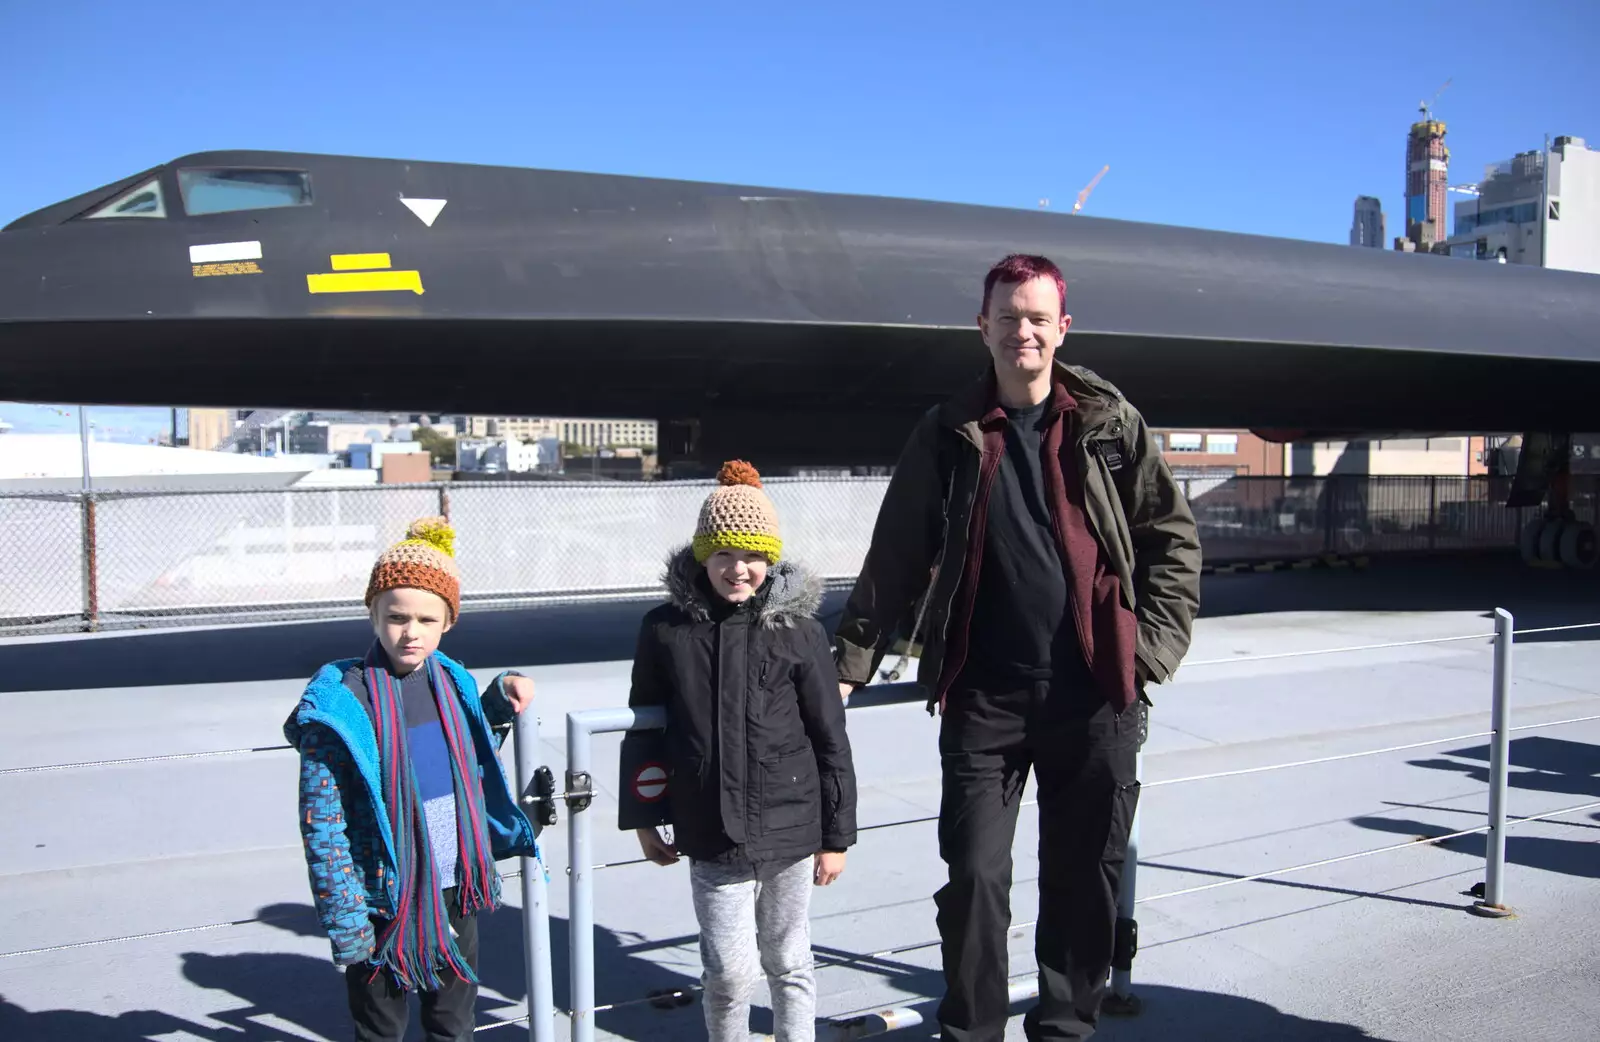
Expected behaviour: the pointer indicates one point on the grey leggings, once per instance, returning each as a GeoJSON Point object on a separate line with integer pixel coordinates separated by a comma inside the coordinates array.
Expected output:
{"type": "Point", "coordinates": [755, 921]}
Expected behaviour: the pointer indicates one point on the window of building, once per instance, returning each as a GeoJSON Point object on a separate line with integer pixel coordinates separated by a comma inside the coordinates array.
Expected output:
{"type": "Point", "coordinates": [1518, 213]}
{"type": "Point", "coordinates": [1185, 442]}
{"type": "Point", "coordinates": [1222, 444]}
{"type": "Point", "coordinates": [143, 201]}
{"type": "Point", "coordinates": [1555, 209]}
{"type": "Point", "coordinates": [226, 191]}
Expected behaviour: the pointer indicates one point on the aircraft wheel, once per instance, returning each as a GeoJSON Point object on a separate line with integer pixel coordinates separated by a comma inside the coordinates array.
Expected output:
{"type": "Point", "coordinates": [1529, 541]}
{"type": "Point", "coordinates": [1579, 548]}
{"type": "Point", "coordinates": [1550, 540]}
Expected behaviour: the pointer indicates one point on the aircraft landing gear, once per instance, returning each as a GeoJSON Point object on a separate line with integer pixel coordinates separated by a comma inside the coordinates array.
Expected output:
{"type": "Point", "coordinates": [1556, 542]}
{"type": "Point", "coordinates": [1558, 539]}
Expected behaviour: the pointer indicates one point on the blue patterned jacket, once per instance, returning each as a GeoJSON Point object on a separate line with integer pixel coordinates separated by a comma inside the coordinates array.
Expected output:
{"type": "Point", "coordinates": [348, 846]}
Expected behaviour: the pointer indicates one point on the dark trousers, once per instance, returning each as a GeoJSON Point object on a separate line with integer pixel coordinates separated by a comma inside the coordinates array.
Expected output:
{"type": "Point", "coordinates": [1084, 755]}
{"type": "Point", "coordinates": [380, 1009]}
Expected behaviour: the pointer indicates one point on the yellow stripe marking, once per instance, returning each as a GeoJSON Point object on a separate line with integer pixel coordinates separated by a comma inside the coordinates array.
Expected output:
{"type": "Point", "coordinates": [365, 282]}
{"type": "Point", "coordinates": [358, 261]}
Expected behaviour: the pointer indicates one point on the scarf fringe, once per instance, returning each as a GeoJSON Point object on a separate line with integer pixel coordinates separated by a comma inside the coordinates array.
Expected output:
{"type": "Point", "coordinates": [428, 978]}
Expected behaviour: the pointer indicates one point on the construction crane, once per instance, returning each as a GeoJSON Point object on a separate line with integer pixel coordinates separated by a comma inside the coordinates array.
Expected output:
{"type": "Point", "coordinates": [1426, 107]}
{"type": "Point", "coordinates": [1084, 195]}
{"type": "Point", "coordinates": [1044, 204]}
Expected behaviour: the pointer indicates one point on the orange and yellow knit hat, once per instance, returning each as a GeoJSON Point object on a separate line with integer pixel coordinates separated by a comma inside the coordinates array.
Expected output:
{"type": "Point", "coordinates": [424, 560]}
{"type": "Point", "coordinates": [737, 515]}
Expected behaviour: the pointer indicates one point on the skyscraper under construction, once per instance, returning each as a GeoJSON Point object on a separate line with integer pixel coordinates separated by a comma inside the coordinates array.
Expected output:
{"type": "Point", "coordinates": [1427, 180]}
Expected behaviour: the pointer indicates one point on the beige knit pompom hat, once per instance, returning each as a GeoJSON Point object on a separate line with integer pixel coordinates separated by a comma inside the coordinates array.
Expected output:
{"type": "Point", "coordinates": [737, 515]}
{"type": "Point", "coordinates": [424, 560]}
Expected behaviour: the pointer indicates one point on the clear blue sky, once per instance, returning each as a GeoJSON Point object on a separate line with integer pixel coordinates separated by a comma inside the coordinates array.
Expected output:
{"type": "Point", "coordinates": [1264, 116]}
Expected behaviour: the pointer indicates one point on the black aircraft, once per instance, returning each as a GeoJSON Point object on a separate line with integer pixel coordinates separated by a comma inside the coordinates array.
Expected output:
{"type": "Point", "coordinates": [785, 326]}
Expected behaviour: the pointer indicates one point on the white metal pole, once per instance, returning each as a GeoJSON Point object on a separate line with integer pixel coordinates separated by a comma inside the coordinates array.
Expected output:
{"type": "Point", "coordinates": [1493, 903]}
{"type": "Point", "coordinates": [535, 897]}
{"type": "Point", "coordinates": [581, 728]}
{"type": "Point", "coordinates": [83, 442]}
{"type": "Point", "coordinates": [580, 883]}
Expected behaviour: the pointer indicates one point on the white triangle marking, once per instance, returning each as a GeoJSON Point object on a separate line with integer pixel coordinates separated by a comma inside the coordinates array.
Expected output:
{"type": "Point", "coordinates": [426, 209]}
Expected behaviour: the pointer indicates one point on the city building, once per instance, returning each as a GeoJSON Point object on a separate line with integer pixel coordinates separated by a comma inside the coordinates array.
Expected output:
{"type": "Point", "coordinates": [208, 428]}
{"type": "Point", "coordinates": [1540, 208]}
{"type": "Point", "coordinates": [587, 433]}
{"type": "Point", "coordinates": [1199, 453]}
{"type": "Point", "coordinates": [54, 463]}
{"type": "Point", "coordinates": [399, 468]}
{"type": "Point", "coordinates": [1572, 230]}
{"type": "Point", "coordinates": [337, 436]}
{"type": "Point", "coordinates": [510, 455]}
{"type": "Point", "coordinates": [451, 426]}
{"type": "Point", "coordinates": [1390, 457]}
{"type": "Point", "coordinates": [365, 455]}
{"type": "Point", "coordinates": [519, 427]}
{"type": "Point", "coordinates": [1500, 220]}
{"type": "Point", "coordinates": [1367, 228]}
{"type": "Point", "coordinates": [1427, 181]}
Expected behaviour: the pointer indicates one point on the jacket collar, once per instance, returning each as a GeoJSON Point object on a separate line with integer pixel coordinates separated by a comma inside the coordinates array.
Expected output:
{"type": "Point", "coordinates": [1073, 388]}
{"type": "Point", "coordinates": [791, 592]}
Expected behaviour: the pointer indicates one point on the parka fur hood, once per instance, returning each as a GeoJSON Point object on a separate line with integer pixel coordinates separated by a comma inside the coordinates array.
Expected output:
{"type": "Point", "coordinates": [791, 592]}
{"type": "Point", "coordinates": [755, 744]}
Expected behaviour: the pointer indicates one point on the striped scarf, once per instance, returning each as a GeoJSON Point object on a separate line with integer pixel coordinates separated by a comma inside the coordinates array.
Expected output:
{"type": "Point", "coordinates": [416, 943]}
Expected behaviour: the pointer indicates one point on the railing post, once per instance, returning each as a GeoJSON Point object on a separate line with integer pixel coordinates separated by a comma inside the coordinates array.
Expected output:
{"type": "Point", "coordinates": [1330, 507]}
{"type": "Point", "coordinates": [1493, 904]}
{"type": "Point", "coordinates": [1433, 512]}
{"type": "Point", "coordinates": [1121, 1002]}
{"type": "Point", "coordinates": [91, 566]}
{"type": "Point", "coordinates": [535, 896]}
{"type": "Point", "coordinates": [581, 727]}
{"type": "Point", "coordinates": [580, 881]}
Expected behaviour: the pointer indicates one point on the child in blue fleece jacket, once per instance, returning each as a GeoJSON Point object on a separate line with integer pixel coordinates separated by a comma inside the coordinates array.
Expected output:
{"type": "Point", "coordinates": [404, 805]}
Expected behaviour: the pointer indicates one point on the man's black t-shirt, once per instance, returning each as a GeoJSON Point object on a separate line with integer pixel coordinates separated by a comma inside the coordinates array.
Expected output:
{"type": "Point", "coordinates": [1021, 626]}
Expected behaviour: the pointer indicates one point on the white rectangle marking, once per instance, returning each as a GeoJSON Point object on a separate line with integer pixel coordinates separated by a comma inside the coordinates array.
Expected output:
{"type": "Point", "coordinates": [222, 252]}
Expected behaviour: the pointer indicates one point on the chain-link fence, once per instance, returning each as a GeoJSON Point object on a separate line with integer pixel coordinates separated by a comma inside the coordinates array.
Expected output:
{"type": "Point", "coordinates": [565, 539]}
{"type": "Point", "coordinates": [42, 574]}
{"type": "Point", "coordinates": [119, 559]}
{"type": "Point", "coordinates": [1260, 518]}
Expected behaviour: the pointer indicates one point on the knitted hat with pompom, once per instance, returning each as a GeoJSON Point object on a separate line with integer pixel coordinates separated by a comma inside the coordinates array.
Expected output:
{"type": "Point", "coordinates": [424, 560]}
{"type": "Point", "coordinates": [737, 515]}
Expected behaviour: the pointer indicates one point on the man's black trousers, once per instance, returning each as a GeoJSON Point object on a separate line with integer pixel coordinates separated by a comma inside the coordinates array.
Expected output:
{"type": "Point", "coordinates": [1084, 755]}
{"type": "Point", "coordinates": [381, 1010]}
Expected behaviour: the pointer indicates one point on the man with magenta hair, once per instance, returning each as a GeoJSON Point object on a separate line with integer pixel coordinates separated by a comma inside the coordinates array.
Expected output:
{"type": "Point", "coordinates": [1035, 541]}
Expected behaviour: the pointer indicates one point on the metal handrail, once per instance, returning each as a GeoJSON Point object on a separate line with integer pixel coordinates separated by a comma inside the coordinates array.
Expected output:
{"type": "Point", "coordinates": [911, 694]}
{"type": "Point", "coordinates": [579, 792]}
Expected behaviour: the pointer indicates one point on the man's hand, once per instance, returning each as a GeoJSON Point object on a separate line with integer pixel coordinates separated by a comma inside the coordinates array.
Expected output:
{"type": "Point", "coordinates": [519, 692]}
{"type": "Point", "coordinates": [829, 866]}
{"type": "Point", "coordinates": [846, 689]}
{"type": "Point", "coordinates": [657, 849]}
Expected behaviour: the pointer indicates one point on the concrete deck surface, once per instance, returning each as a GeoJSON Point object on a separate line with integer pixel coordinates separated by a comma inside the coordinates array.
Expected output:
{"type": "Point", "coordinates": [1379, 947]}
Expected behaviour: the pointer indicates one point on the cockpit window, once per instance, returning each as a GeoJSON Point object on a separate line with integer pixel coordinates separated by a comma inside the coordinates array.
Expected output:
{"type": "Point", "coordinates": [224, 191]}
{"type": "Point", "coordinates": [144, 201]}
